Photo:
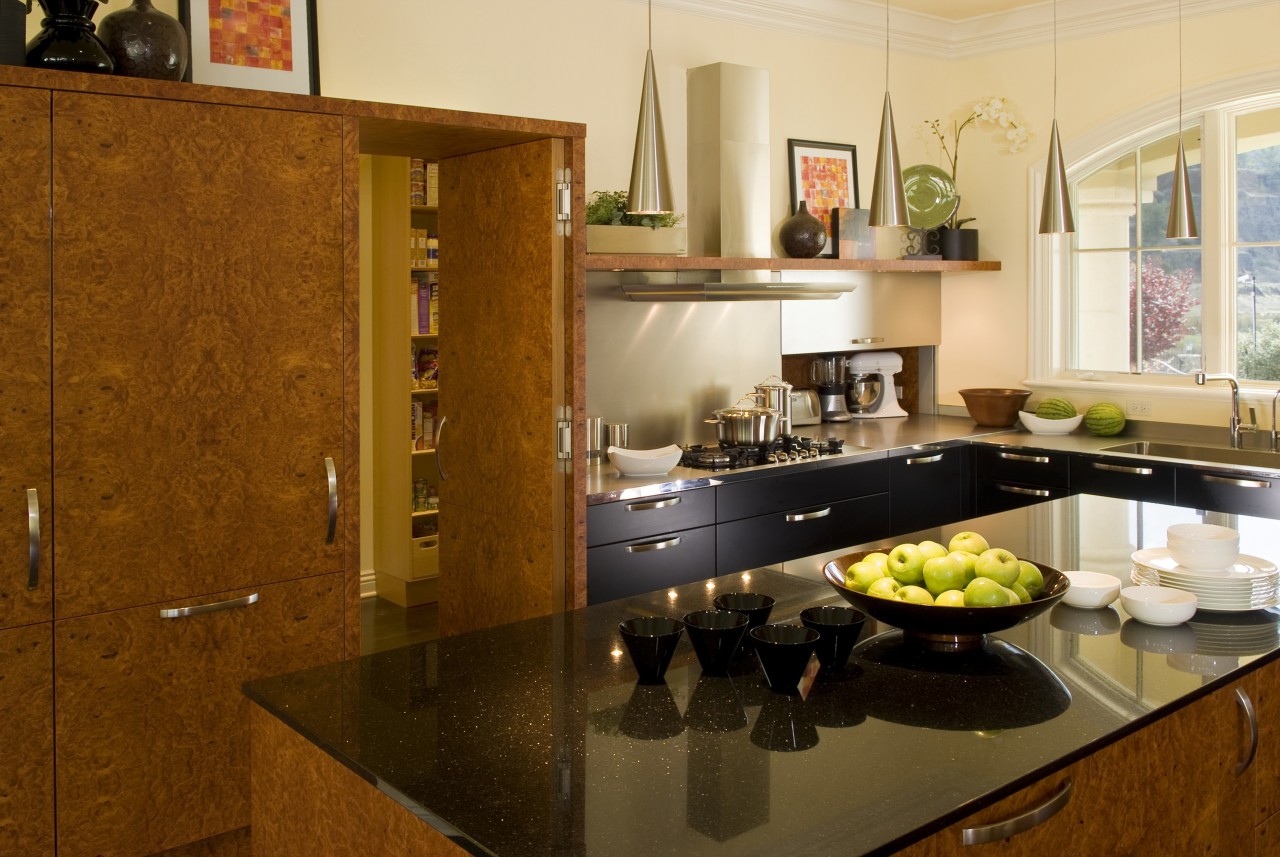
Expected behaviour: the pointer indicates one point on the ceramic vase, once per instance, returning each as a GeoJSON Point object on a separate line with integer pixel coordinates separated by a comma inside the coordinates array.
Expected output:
{"type": "Point", "coordinates": [67, 40]}
{"type": "Point", "coordinates": [958, 245]}
{"type": "Point", "coordinates": [145, 42]}
{"type": "Point", "coordinates": [802, 235]}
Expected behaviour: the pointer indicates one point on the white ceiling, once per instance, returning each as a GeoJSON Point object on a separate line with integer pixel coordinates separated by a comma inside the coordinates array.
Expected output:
{"type": "Point", "coordinates": [959, 10]}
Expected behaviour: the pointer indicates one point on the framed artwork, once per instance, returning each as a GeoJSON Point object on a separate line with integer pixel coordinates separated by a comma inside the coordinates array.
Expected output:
{"type": "Point", "coordinates": [253, 44]}
{"type": "Point", "coordinates": [825, 176]}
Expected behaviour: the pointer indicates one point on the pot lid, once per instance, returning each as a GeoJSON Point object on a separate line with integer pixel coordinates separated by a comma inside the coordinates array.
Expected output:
{"type": "Point", "coordinates": [746, 411]}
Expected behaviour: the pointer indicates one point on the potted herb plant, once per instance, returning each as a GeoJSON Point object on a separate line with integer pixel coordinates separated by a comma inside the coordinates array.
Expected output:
{"type": "Point", "coordinates": [953, 241]}
{"type": "Point", "coordinates": [610, 229]}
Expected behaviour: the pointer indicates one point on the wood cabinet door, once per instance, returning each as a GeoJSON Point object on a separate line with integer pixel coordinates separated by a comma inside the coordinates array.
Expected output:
{"type": "Point", "coordinates": [153, 732]}
{"type": "Point", "coordinates": [1264, 689]}
{"type": "Point", "coordinates": [502, 282]}
{"type": "Point", "coordinates": [24, 357]}
{"type": "Point", "coordinates": [26, 741]}
{"type": "Point", "coordinates": [198, 347]}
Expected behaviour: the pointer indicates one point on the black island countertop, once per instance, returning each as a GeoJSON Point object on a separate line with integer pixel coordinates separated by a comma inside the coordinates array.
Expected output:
{"type": "Point", "coordinates": [534, 739]}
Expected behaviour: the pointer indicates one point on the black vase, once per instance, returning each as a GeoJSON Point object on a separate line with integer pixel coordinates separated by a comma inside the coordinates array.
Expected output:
{"type": "Point", "coordinates": [66, 39]}
{"type": "Point", "coordinates": [145, 42]}
{"type": "Point", "coordinates": [802, 235]}
{"type": "Point", "coordinates": [958, 245]}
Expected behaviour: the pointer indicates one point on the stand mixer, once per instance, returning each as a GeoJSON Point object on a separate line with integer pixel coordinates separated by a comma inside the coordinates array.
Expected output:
{"type": "Point", "coordinates": [870, 391]}
{"type": "Point", "coordinates": [828, 375]}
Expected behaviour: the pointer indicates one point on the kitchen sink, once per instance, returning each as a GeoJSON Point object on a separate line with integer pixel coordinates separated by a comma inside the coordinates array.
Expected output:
{"type": "Point", "coordinates": [1190, 452]}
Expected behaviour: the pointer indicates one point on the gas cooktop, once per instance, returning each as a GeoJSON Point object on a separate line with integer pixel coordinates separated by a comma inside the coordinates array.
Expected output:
{"type": "Point", "coordinates": [784, 449]}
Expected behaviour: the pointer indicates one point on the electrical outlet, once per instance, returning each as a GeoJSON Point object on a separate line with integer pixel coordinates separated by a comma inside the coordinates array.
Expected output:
{"type": "Point", "coordinates": [1136, 408]}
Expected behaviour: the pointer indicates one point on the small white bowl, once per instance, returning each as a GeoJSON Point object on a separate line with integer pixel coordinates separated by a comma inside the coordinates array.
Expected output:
{"type": "Point", "coordinates": [1158, 605]}
{"type": "Point", "coordinates": [644, 462]}
{"type": "Point", "coordinates": [1039, 425]}
{"type": "Point", "coordinates": [1091, 589]}
{"type": "Point", "coordinates": [1203, 547]}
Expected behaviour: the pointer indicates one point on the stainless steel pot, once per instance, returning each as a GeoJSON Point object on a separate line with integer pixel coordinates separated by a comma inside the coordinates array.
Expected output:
{"type": "Point", "coordinates": [746, 426]}
{"type": "Point", "coordinates": [776, 393]}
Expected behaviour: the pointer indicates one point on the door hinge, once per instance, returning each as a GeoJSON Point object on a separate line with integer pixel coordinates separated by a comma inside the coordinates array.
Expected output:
{"type": "Point", "coordinates": [564, 198]}
{"type": "Point", "coordinates": [564, 439]}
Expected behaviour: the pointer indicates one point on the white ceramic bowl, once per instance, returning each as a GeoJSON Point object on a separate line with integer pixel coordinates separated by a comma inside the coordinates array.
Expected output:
{"type": "Point", "coordinates": [1039, 425]}
{"type": "Point", "coordinates": [1158, 605]}
{"type": "Point", "coordinates": [1091, 589]}
{"type": "Point", "coordinates": [1204, 547]}
{"type": "Point", "coordinates": [644, 462]}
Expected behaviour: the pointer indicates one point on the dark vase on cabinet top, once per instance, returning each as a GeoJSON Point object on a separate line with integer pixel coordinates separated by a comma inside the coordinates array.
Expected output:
{"type": "Point", "coordinates": [145, 42]}
{"type": "Point", "coordinates": [67, 40]}
{"type": "Point", "coordinates": [802, 235]}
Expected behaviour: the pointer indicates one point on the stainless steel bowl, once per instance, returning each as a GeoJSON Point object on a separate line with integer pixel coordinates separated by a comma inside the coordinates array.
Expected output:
{"type": "Point", "coordinates": [863, 392]}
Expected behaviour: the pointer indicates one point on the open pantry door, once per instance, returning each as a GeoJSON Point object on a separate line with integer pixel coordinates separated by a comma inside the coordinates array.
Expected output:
{"type": "Point", "coordinates": [502, 356]}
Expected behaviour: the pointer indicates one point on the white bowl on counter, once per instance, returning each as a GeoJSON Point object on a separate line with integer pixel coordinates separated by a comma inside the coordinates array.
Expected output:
{"type": "Point", "coordinates": [1158, 605]}
{"type": "Point", "coordinates": [1091, 589]}
{"type": "Point", "coordinates": [644, 462]}
{"type": "Point", "coordinates": [1040, 425]}
{"type": "Point", "coordinates": [1203, 547]}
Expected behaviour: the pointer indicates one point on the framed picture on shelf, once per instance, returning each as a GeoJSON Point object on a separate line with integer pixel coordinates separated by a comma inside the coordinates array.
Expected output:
{"type": "Point", "coordinates": [825, 177]}
{"type": "Point", "coordinates": [253, 44]}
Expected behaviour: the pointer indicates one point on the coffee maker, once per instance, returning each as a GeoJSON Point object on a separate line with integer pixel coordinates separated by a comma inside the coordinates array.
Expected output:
{"type": "Point", "coordinates": [869, 391]}
{"type": "Point", "coordinates": [828, 374]}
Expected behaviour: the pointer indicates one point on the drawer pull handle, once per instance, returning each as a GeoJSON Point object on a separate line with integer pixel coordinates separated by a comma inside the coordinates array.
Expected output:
{"type": "Point", "coordinates": [1246, 703]}
{"type": "Point", "coordinates": [808, 516]}
{"type": "Point", "coordinates": [33, 539]}
{"type": "Point", "coordinates": [1030, 492]}
{"type": "Point", "coordinates": [645, 547]}
{"type": "Point", "coordinates": [866, 340]}
{"type": "Point", "coordinates": [1120, 468]}
{"type": "Point", "coordinates": [1031, 459]}
{"type": "Point", "coordinates": [180, 612]}
{"type": "Point", "coordinates": [1019, 823]}
{"type": "Point", "coordinates": [656, 504]}
{"type": "Point", "coordinates": [927, 459]}
{"type": "Point", "coordinates": [439, 450]}
{"type": "Point", "coordinates": [331, 474]}
{"type": "Point", "coordinates": [1239, 483]}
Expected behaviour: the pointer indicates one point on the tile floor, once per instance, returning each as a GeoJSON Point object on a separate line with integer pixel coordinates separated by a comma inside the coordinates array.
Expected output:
{"type": "Point", "coordinates": [385, 625]}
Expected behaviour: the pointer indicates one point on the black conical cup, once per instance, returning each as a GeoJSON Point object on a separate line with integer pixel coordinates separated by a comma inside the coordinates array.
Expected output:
{"type": "Point", "coordinates": [716, 636]}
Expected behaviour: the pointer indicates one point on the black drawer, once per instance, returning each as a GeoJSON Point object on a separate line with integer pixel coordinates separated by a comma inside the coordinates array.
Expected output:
{"type": "Point", "coordinates": [991, 496]}
{"type": "Point", "coordinates": [807, 488]}
{"type": "Point", "coordinates": [927, 488]}
{"type": "Point", "coordinates": [631, 568]}
{"type": "Point", "coordinates": [753, 542]}
{"type": "Point", "coordinates": [1228, 491]}
{"type": "Point", "coordinates": [1130, 480]}
{"type": "Point", "coordinates": [647, 516]}
{"type": "Point", "coordinates": [1024, 466]}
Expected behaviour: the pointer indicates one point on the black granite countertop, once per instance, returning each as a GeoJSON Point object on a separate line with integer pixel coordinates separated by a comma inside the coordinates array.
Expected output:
{"type": "Point", "coordinates": [534, 739]}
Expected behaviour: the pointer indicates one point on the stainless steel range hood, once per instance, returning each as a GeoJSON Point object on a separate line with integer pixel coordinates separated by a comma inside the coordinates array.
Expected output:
{"type": "Point", "coordinates": [713, 285]}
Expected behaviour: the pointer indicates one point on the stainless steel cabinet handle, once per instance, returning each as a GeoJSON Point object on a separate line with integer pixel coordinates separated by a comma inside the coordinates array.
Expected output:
{"type": "Point", "coordinates": [867, 340]}
{"type": "Point", "coordinates": [1019, 823]}
{"type": "Point", "coordinates": [1030, 492]}
{"type": "Point", "coordinates": [180, 612]}
{"type": "Point", "coordinates": [927, 459]}
{"type": "Point", "coordinates": [1239, 483]}
{"type": "Point", "coordinates": [1247, 704]}
{"type": "Point", "coordinates": [1032, 459]}
{"type": "Point", "coordinates": [645, 547]}
{"type": "Point", "coordinates": [439, 450]}
{"type": "Point", "coordinates": [331, 474]}
{"type": "Point", "coordinates": [808, 516]}
{"type": "Point", "coordinates": [33, 538]}
{"type": "Point", "coordinates": [1119, 468]}
{"type": "Point", "coordinates": [656, 504]}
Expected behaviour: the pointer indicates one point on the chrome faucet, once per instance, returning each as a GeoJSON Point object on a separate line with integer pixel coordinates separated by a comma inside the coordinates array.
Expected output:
{"type": "Point", "coordinates": [1275, 436]}
{"type": "Point", "coordinates": [1234, 426]}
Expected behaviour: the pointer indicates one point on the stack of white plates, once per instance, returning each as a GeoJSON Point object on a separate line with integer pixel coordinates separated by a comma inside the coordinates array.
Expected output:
{"type": "Point", "coordinates": [1251, 583]}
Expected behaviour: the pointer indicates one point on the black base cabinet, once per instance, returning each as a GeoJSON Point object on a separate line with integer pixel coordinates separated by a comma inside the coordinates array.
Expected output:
{"type": "Point", "coordinates": [1228, 491]}
{"type": "Point", "coordinates": [928, 487]}
{"type": "Point", "coordinates": [1150, 483]}
{"type": "Point", "coordinates": [755, 542]}
{"type": "Point", "coordinates": [1006, 478]}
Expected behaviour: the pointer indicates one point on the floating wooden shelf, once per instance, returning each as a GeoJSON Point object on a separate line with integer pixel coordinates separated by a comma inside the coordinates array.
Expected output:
{"type": "Point", "coordinates": [603, 262]}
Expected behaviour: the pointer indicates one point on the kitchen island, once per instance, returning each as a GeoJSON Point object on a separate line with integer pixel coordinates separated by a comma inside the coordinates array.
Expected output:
{"type": "Point", "coordinates": [534, 739]}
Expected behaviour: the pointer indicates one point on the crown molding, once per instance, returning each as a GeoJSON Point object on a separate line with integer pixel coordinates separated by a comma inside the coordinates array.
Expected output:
{"type": "Point", "coordinates": [862, 22]}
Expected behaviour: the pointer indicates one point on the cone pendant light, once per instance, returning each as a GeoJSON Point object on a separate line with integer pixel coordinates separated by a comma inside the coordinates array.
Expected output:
{"type": "Point", "coordinates": [888, 200]}
{"type": "Point", "coordinates": [1182, 214]}
{"type": "Point", "coordinates": [1055, 205]}
{"type": "Point", "coordinates": [650, 191]}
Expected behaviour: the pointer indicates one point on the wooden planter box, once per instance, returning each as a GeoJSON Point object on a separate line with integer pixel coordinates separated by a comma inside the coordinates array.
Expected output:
{"type": "Point", "coordinates": [642, 240]}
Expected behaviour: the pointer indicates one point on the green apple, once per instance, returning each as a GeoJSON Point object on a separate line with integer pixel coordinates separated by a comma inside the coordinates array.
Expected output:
{"type": "Point", "coordinates": [1031, 578]}
{"type": "Point", "coordinates": [862, 574]}
{"type": "Point", "coordinates": [885, 587]}
{"type": "Point", "coordinates": [1013, 596]}
{"type": "Point", "coordinates": [1024, 597]}
{"type": "Point", "coordinates": [931, 549]}
{"type": "Point", "coordinates": [969, 562]}
{"type": "Point", "coordinates": [879, 558]}
{"type": "Point", "coordinates": [998, 565]}
{"type": "Point", "coordinates": [985, 592]}
{"type": "Point", "coordinates": [950, 598]}
{"type": "Point", "coordinates": [942, 573]}
{"type": "Point", "coordinates": [906, 564]}
{"type": "Point", "coordinates": [913, 595]}
{"type": "Point", "coordinates": [968, 541]}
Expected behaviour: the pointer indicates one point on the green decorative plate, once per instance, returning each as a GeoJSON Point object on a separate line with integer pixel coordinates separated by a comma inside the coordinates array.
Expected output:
{"type": "Point", "coordinates": [931, 196]}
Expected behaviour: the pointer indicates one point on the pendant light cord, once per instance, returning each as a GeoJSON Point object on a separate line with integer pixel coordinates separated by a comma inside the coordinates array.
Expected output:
{"type": "Point", "coordinates": [1179, 71]}
{"type": "Point", "coordinates": [886, 45]}
{"type": "Point", "coordinates": [650, 24]}
{"type": "Point", "coordinates": [1055, 59]}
